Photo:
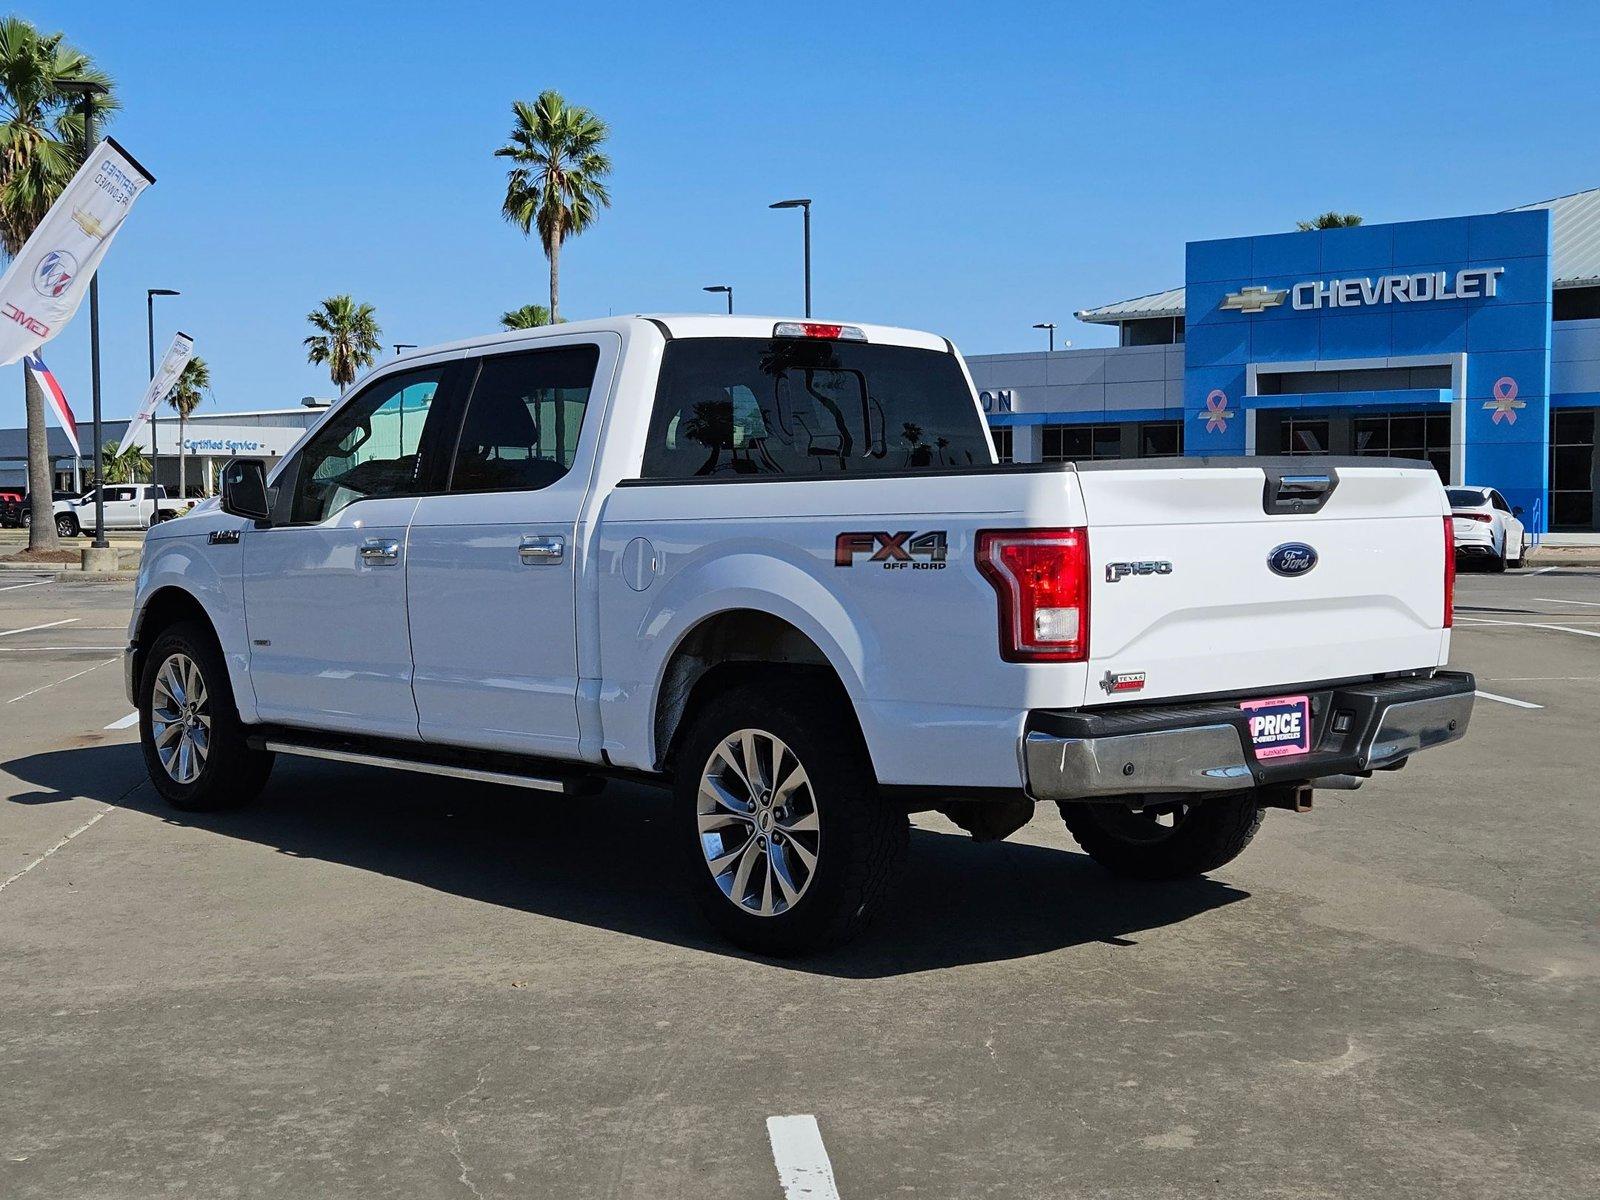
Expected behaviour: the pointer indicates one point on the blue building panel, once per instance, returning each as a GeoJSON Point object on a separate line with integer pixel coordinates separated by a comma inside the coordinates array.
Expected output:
{"type": "Point", "coordinates": [1355, 298]}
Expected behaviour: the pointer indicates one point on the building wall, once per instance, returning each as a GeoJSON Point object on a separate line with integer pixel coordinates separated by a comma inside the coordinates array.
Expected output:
{"type": "Point", "coordinates": [1502, 343]}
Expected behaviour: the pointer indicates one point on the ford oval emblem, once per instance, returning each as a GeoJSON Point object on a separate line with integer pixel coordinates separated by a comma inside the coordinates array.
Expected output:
{"type": "Point", "coordinates": [1292, 558]}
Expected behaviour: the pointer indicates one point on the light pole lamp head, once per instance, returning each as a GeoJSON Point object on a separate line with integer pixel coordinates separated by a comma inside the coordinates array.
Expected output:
{"type": "Point", "coordinates": [83, 87]}
{"type": "Point", "coordinates": [1045, 325]}
{"type": "Point", "coordinates": [717, 287]}
{"type": "Point", "coordinates": [162, 292]}
{"type": "Point", "coordinates": [805, 203]}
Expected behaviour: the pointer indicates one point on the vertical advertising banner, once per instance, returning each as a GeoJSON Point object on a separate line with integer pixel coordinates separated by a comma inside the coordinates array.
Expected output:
{"type": "Point", "coordinates": [46, 282]}
{"type": "Point", "coordinates": [167, 371]}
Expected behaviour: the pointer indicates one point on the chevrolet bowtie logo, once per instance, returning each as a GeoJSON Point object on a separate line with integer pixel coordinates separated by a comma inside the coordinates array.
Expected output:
{"type": "Point", "coordinates": [1255, 299]}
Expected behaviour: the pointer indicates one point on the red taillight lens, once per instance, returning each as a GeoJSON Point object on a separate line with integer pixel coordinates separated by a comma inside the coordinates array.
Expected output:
{"type": "Point", "coordinates": [1042, 578]}
{"type": "Point", "coordinates": [1473, 516]}
{"type": "Point", "coordinates": [1449, 572]}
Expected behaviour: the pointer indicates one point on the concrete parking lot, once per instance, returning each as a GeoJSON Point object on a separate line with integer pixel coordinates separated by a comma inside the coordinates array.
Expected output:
{"type": "Point", "coordinates": [372, 984]}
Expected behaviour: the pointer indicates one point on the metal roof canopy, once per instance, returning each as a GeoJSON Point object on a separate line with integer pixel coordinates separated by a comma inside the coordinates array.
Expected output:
{"type": "Point", "coordinates": [1574, 260]}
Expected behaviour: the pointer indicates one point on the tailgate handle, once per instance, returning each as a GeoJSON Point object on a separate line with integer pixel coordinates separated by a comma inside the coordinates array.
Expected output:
{"type": "Point", "coordinates": [1291, 491]}
{"type": "Point", "coordinates": [1290, 486]}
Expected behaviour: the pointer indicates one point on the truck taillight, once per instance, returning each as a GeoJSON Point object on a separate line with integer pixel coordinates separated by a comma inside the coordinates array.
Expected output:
{"type": "Point", "coordinates": [1449, 572]}
{"type": "Point", "coordinates": [1042, 579]}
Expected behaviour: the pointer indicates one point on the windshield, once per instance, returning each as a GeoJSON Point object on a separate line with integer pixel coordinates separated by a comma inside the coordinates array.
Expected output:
{"type": "Point", "coordinates": [1465, 498]}
{"type": "Point", "coordinates": [742, 406]}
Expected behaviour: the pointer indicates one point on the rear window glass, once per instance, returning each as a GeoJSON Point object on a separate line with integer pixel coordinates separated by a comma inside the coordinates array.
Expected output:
{"type": "Point", "coordinates": [1464, 498]}
{"type": "Point", "coordinates": [742, 406]}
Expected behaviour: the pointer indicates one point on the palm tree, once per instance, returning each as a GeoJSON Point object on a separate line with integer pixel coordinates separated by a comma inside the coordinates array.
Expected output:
{"type": "Point", "coordinates": [347, 338]}
{"type": "Point", "coordinates": [1329, 220]}
{"type": "Point", "coordinates": [185, 397]}
{"type": "Point", "coordinates": [558, 183]}
{"type": "Point", "coordinates": [130, 466]}
{"type": "Point", "coordinates": [41, 146]}
{"type": "Point", "coordinates": [529, 316]}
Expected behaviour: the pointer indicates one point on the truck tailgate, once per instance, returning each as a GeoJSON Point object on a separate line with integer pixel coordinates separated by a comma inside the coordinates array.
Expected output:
{"type": "Point", "coordinates": [1184, 596]}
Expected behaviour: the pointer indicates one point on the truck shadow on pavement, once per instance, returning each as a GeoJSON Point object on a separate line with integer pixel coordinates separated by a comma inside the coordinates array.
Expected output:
{"type": "Point", "coordinates": [608, 862]}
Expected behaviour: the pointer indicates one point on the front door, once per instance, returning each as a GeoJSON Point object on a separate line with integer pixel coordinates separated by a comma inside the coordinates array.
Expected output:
{"type": "Point", "coordinates": [325, 584]}
{"type": "Point", "coordinates": [491, 567]}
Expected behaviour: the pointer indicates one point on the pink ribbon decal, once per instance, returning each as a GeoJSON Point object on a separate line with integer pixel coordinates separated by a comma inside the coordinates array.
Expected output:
{"type": "Point", "coordinates": [1217, 412]}
{"type": "Point", "coordinates": [1505, 402]}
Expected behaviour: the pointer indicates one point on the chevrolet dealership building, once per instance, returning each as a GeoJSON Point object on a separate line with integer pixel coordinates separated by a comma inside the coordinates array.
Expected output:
{"type": "Point", "coordinates": [1471, 342]}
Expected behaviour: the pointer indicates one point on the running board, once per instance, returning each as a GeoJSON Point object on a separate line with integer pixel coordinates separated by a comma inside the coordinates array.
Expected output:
{"type": "Point", "coordinates": [553, 780]}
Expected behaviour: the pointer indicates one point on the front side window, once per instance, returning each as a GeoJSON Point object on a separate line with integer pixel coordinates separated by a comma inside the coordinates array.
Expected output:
{"type": "Point", "coordinates": [523, 420]}
{"type": "Point", "coordinates": [368, 449]}
{"type": "Point", "coordinates": [806, 407]}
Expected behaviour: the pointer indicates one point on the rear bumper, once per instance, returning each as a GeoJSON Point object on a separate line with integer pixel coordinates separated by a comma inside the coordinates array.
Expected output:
{"type": "Point", "coordinates": [1205, 747]}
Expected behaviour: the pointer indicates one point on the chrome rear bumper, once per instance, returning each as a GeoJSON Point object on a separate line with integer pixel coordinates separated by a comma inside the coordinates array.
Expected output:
{"type": "Point", "coordinates": [1205, 747]}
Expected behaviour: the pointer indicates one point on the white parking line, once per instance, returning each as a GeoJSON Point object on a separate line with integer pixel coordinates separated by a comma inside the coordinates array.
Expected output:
{"type": "Point", "coordinates": [57, 846]}
{"type": "Point", "coordinates": [11, 587]}
{"type": "Point", "coordinates": [803, 1167]}
{"type": "Point", "coordinates": [1580, 603]}
{"type": "Point", "coordinates": [39, 649]}
{"type": "Point", "coordinates": [46, 686]}
{"type": "Point", "coordinates": [31, 628]}
{"type": "Point", "coordinates": [1543, 571]}
{"type": "Point", "coordinates": [1476, 622]}
{"type": "Point", "coordinates": [132, 719]}
{"type": "Point", "coordinates": [1485, 695]}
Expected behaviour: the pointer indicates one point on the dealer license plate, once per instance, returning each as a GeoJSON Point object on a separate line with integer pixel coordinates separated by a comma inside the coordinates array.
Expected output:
{"type": "Point", "coordinates": [1279, 726]}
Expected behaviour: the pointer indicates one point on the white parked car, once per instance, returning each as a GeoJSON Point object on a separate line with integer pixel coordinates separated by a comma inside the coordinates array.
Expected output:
{"type": "Point", "coordinates": [775, 567]}
{"type": "Point", "coordinates": [127, 506]}
{"type": "Point", "coordinates": [1486, 528]}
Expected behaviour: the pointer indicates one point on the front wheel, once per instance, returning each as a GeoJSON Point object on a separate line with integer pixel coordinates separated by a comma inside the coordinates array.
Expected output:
{"type": "Point", "coordinates": [790, 846]}
{"type": "Point", "coordinates": [189, 729]}
{"type": "Point", "coordinates": [66, 525]}
{"type": "Point", "coordinates": [1169, 838]}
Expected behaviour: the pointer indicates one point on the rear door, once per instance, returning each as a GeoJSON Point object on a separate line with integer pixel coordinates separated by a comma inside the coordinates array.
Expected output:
{"type": "Point", "coordinates": [1206, 579]}
{"type": "Point", "coordinates": [493, 559]}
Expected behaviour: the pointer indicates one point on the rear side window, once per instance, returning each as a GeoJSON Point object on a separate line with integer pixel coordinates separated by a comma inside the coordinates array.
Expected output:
{"type": "Point", "coordinates": [523, 420]}
{"type": "Point", "coordinates": [800, 407]}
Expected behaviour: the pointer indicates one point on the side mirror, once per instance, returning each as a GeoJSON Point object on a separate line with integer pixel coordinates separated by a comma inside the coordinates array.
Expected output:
{"type": "Point", "coordinates": [244, 489]}
{"type": "Point", "coordinates": [1516, 510]}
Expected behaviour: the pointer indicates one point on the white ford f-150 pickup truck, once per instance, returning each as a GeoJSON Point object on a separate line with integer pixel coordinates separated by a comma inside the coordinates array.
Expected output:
{"type": "Point", "coordinates": [775, 565]}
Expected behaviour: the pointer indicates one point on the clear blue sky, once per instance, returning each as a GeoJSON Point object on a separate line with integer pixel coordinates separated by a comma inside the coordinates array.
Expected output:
{"type": "Point", "coordinates": [975, 168]}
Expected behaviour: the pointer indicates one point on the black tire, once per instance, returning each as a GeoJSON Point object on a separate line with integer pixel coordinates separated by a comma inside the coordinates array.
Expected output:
{"type": "Point", "coordinates": [233, 773]}
{"type": "Point", "coordinates": [1497, 563]}
{"type": "Point", "coordinates": [66, 525]}
{"type": "Point", "coordinates": [27, 519]}
{"type": "Point", "coordinates": [1521, 560]}
{"type": "Point", "coordinates": [860, 840]}
{"type": "Point", "coordinates": [1205, 834]}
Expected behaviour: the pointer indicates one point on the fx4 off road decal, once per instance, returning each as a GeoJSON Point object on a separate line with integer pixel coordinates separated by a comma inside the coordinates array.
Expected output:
{"type": "Point", "coordinates": [896, 551]}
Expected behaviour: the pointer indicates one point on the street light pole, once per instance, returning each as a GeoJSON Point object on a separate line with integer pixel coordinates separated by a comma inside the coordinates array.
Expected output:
{"type": "Point", "coordinates": [86, 90]}
{"type": "Point", "coordinates": [722, 287]}
{"type": "Point", "coordinates": [150, 295]}
{"type": "Point", "coordinates": [805, 206]}
{"type": "Point", "coordinates": [1051, 326]}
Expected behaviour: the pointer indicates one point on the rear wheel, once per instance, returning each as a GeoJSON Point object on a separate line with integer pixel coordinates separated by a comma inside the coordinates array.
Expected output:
{"type": "Point", "coordinates": [1169, 838]}
{"type": "Point", "coordinates": [189, 729]}
{"type": "Point", "coordinates": [790, 845]}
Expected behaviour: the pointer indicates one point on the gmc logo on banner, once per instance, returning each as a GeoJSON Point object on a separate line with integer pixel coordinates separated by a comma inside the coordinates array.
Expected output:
{"type": "Point", "coordinates": [12, 313]}
{"type": "Point", "coordinates": [896, 551]}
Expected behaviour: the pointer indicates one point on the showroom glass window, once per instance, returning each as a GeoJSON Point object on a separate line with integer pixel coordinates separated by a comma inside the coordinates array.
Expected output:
{"type": "Point", "coordinates": [368, 448]}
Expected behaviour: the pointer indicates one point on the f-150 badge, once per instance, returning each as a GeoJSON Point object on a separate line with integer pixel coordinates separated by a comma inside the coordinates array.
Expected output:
{"type": "Point", "coordinates": [1121, 570]}
{"type": "Point", "coordinates": [902, 551]}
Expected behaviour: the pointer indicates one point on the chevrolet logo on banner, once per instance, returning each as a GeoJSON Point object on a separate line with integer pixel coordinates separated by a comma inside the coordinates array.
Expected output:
{"type": "Point", "coordinates": [1255, 299]}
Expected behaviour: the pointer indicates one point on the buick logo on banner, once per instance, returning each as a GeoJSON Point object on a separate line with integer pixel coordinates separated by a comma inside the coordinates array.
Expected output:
{"type": "Point", "coordinates": [54, 274]}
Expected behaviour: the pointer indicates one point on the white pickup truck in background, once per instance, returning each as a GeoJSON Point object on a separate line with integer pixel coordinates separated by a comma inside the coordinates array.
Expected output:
{"type": "Point", "coordinates": [126, 505]}
{"type": "Point", "coordinates": [774, 565]}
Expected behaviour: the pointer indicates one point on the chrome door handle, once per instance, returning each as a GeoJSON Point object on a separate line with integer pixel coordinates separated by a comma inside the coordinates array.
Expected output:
{"type": "Point", "coordinates": [541, 551]}
{"type": "Point", "coordinates": [378, 550]}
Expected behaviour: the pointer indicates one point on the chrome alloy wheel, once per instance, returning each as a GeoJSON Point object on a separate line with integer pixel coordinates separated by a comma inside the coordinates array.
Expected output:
{"type": "Point", "coordinates": [758, 823]}
{"type": "Point", "coordinates": [180, 718]}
